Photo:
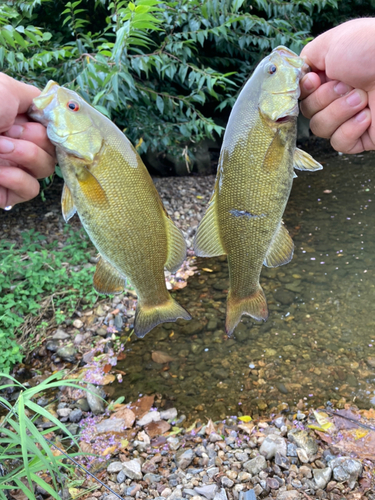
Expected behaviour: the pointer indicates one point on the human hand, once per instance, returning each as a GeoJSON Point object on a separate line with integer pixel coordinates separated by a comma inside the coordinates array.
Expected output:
{"type": "Point", "coordinates": [26, 154]}
{"type": "Point", "coordinates": [339, 95]}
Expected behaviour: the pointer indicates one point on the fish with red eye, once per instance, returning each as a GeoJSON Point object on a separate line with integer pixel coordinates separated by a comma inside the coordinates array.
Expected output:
{"type": "Point", "coordinates": [72, 105]}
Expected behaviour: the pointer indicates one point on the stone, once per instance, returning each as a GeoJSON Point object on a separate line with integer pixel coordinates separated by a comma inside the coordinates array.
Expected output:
{"type": "Point", "coordinates": [285, 297]}
{"type": "Point", "coordinates": [289, 495]}
{"type": "Point", "coordinates": [322, 477]}
{"type": "Point", "coordinates": [271, 445]}
{"type": "Point", "coordinates": [151, 478]}
{"type": "Point", "coordinates": [214, 436]}
{"type": "Point", "coordinates": [60, 335]}
{"type": "Point", "coordinates": [67, 353]}
{"type": "Point", "coordinates": [64, 412]}
{"type": "Point", "coordinates": [208, 491]}
{"type": "Point", "coordinates": [78, 339]}
{"type": "Point", "coordinates": [213, 471]}
{"type": "Point", "coordinates": [305, 471]}
{"type": "Point", "coordinates": [173, 443]}
{"type": "Point", "coordinates": [221, 495]}
{"type": "Point", "coordinates": [184, 457]}
{"type": "Point", "coordinates": [302, 455]}
{"type": "Point", "coordinates": [76, 415]}
{"type": "Point", "coordinates": [132, 469]}
{"type": "Point", "coordinates": [232, 474]}
{"type": "Point", "coordinates": [110, 425]}
{"type": "Point", "coordinates": [303, 440]}
{"type": "Point", "coordinates": [273, 483]}
{"type": "Point", "coordinates": [114, 467]}
{"type": "Point", "coordinates": [247, 495]}
{"type": "Point", "coordinates": [226, 482]}
{"type": "Point", "coordinates": [168, 414]}
{"type": "Point", "coordinates": [52, 345]}
{"type": "Point", "coordinates": [77, 323]}
{"type": "Point", "coordinates": [346, 469]}
{"type": "Point", "coordinates": [151, 416]}
{"type": "Point", "coordinates": [241, 456]}
{"type": "Point", "coordinates": [82, 404]}
{"type": "Point", "coordinates": [121, 476]}
{"type": "Point", "coordinates": [193, 327]}
{"type": "Point", "coordinates": [244, 477]}
{"type": "Point", "coordinates": [282, 461]}
{"type": "Point", "coordinates": [255, 465]}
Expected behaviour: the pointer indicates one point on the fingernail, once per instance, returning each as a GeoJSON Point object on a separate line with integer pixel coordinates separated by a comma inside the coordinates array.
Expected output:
{"type": "Point", "coordinates": [361, 117]}
{"type": "Point", "coordinates": [15, 131]}
{"type": "Point", "coordinates": [341, 88]}
{"type": "Point", "coordinates": [6, 146]}
{"type": "Point", "coordinates": [308, 84]}
{"type": "Point", "coordinates": [354, 99]}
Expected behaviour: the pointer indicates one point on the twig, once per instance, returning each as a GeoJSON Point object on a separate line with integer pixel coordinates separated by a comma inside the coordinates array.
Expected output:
{"type": "Point", "coordinates": [353, 420]}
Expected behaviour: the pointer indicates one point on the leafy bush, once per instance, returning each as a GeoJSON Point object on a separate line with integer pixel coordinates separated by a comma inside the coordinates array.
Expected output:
{"type": "Point", "coordinates": [36, 277]}
{"type": "Point", "coordinates": [24, 447]}
{"type": "Point", "coordinates": [159, 69]}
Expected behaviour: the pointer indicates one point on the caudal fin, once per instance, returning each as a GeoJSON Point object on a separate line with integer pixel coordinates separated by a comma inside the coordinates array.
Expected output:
{"type": "Point", "coordinates": [146, 318]}
{"type": "Point", "coordinates": [255, 306]}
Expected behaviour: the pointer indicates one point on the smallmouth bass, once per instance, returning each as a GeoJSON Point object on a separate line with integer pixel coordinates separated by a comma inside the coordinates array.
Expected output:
{"type": "Point", "coordinates": [109, 187]}
{"type": "Point", "coordinates": [253, 182]}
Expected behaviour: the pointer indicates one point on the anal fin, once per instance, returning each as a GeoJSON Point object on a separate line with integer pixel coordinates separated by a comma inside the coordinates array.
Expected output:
{"type": "Point", "coordinates": [107, 279]}
{"type": "Point", "coordinates": [67, 204]}
{"type": "Point", "coordinates": [176, 247]}
{"type": "Point", "coordinates": [304, 161]}
{"type": "Point", "coordinates": [281, 249]}
{"type": "Point", "coordinates": [207, 242]}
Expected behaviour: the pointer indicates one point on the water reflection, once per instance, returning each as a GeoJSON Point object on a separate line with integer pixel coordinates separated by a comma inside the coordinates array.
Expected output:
{"type": "Point", "coordinates": [319, 341]}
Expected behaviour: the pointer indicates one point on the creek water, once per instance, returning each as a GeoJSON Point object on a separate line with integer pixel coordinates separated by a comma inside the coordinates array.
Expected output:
{"type": "Point", "coordinates": [318, 344]}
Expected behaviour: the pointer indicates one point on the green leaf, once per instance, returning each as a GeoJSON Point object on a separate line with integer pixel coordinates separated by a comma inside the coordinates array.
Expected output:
{"type": "Point", "coordinates": [160, 104]}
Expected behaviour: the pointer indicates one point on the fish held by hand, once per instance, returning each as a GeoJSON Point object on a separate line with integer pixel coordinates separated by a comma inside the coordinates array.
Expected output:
{"type": "Point", "coordinates": [254, 178]}
{"type": "Point", "coordinates": [109, 187]}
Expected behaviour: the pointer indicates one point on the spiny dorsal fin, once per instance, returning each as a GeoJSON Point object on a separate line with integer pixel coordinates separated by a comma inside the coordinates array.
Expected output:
{"type": "Point", "coordinates": [207, 241]}
{"type": "Point", "coordinates": [304, 161]}
{"type": "Point", "coordinates": [176, 247]}
{"type": "Point", "coordinates": [67, 204]}
{"type": "Point", "coordinates": [90, 186]}
{"type": "Point", "coordinates": [107, 279]}
{"type": "Point", "coordinates": [281, 249]}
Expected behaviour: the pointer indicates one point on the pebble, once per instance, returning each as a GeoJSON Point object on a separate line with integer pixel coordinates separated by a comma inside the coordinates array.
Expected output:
{"type": "Point", "coordinates": [132, 469]}
{"type": "Point", "coordinates": [114, 467]}
{"type": "Point", "coordinates": [322, 477]}
{"type": "Point", "coordinates": [60, 335]}
{"type": "Point", "coordinates": [226, 482]}
{"type": "Point", "coordinates": [168, 414]}
{"type": "Point", "coordinates": [184, 457]}
{"type": "Point", "coordinates": [255, 465]}
{"type": "Point", "coordinates": [207, 491]}
{"type": "Point", "coordinates": [67, 353]}
{"type": "Point", "coordinates": [77, 323]}
{"type": "Point", "coordinates": [76, 415]}
{"type": "Point", "coordinates": [271, 445]}
{"type": "Point", "coordinates": [346, 469]}
{"type": "Point", "coordinates": [152, 416]}
{"type": "Point", "coordinates": [95, 401]}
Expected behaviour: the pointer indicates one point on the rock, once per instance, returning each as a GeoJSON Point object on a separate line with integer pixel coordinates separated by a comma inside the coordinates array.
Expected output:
{"type": "Point", "coordinates": [282, 461]}
{"type": "Point", "coordinates": [302, 455]}
{"type": "Point", "coordinates": [52, 345]}
{"type": "Point", "coordinates": [193, 327]}
{"type": "Point", "coordinates": [273, 483]}
{"type": "Point", "coordinates": [213, 471]}
{"type": "Point", "coordinates": [184, 457]}
{"type": "Point", "coordinates": [305, 471]}
{"type": "Point", "coordinates": [168, 414]}
{"type": "Point", "coordinates": [173, 443]}
{"type": "Point", "coordinates": [207, 491]}
{"type": "Point", "coordinates": [214, 436]}
{"type": "Point", "coordinates": [247, 495]}
{"type": "Point", "coordinates": [221, 495]}
{"type": "Point", "coordinates": [289, 495]}
{"type": "Point", "coordinates": [161, 357]}
{"type": "Point", "coordinates": [67, 353]}
{"type": "Point", "coordinates": [346, 469]}
{"type": "Point", "coordinates": [114, 467]}
{"type": "Point", "coordinates": [132, 469]}
{"type": "Point", "coordinates": [284, 297]}
{"type": "Point", "coordinates": [303, 440]}
{"type": "Point", "coordinates": [281, 388]}
{"type": "Point", "coordinates": [77, 323]}
{"type": "Point", "coordinates": [76, 415]}
{"type": "Point", "coordinates": [64, 412]}
{"type": "Point", "coordinates": [226, 482]}
{"type": "Point", "coordinates": [60, 335]}
{"type": "Point", "coordinates": [271, 445]}
{"type": "Point", "coordinates": [151, 416]}
{"type": "Point", "coordinates": [243, 477]}
{"type": "Point", "coordinates": [121, 476]}
{"type": "Point", "coordinates": [151, 478]}
{"type": "Point", "coordinates": [78, 339]}
{"type": "Point", "coordinates": [82, 404]}
{"type": "Point", "coordinates": [255, 465]}
{"type": "Point", "coordinates": [110, 425]}
{"type": "Point", "coordinates": [322, 476]}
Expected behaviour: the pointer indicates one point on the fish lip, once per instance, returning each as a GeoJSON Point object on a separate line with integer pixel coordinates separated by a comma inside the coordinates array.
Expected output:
{"type": "Point", "coordinates": [41, 106]}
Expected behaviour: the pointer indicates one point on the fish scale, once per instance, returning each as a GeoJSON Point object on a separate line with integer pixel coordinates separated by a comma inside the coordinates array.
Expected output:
{"type": "Point", "coordinates": [253, 183]}
{"type": "Point", "coordinates": [109, 187]}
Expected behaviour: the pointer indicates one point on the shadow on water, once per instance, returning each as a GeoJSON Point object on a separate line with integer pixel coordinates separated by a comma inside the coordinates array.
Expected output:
{"type": "Point", "coordinates": [319, 341]}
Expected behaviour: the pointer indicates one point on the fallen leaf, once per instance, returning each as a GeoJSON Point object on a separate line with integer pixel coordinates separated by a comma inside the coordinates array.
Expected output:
{"type": "Point", "coordinates": [324, 437]}
{"type": "Point", "coordinates": [210, 427]}
{"type": "Point", "coordinates": [207, 270]}
{"type": "Point", "coordinates": [109, 451]}
{"type": "Point", "coordinates": [107, 379]}
{"type": "Point", "coordinates": [247, 427]}
{"type": "Point", "coordinates": [343, 423]}
{"type": "Point", "coordinates": [161, 357]}
{"type": "Point", "coordinates": [121, 356]}
{"type": "Point", "coordinates": [86, 447]}
{"type": "Point", "coordinates": [107, 368]}
{"type": "Point", "coordinates": [157, 428]}
{"type": "Point", "coordinates": [178, 285]}
{"type": "Point", "coordinates": [142, 406]}
{"type": "Point", "coordinates": [126, 414]}
{"type": "Point", "coordinates": [245, 418]}
{"type": "Point", "coordinates": [369, 414]}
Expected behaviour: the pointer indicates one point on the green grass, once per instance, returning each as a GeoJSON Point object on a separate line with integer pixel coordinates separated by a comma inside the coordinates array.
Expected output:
{"type": "Point", "coordinates": [41, 282]}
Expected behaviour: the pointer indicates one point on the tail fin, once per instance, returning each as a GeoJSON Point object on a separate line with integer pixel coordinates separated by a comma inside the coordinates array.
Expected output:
{"type": "Point", "coordinates": [146, 318]}
{"type": "Point", "coordinates": [255, 306]}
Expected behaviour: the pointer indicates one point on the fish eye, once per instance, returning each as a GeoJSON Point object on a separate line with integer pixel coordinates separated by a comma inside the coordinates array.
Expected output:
{"type": "Point", "coordinates": [73, 106]}
{"type": "Point", "coordinates": [272, 69]}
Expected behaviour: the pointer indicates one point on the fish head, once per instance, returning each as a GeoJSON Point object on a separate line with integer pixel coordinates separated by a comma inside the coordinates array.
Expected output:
{"type": "Point", "coordinates": [281, 73]}
{"type": "Point", "coordinates": [70, 121]}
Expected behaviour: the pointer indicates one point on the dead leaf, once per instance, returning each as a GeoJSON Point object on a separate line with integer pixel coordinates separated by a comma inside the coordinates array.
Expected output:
{"type": "Point", "coordinates": [369, 414]}
{"type": "Point", "coordinates": [210, 427]}
{"type": "Point", "coordinates": [107, 379]}
{"type": "Point", "coordinates": [109, 451]}
{"type": "Point", "coordinates": [126, 414]}
{"type": "Point", "coordinates": [343, 423]}
{"type": "Point", "coordinates": [247, 427]}
{"type": "Point", "coordinates": [157, 428]}
{"type": "Point", "coordinates": [107, 368]}
{"type": "Point", "coordinates": [324, 437]}
{"type": "Point", "coordinates": [86, 447]}
{"type": "Point", "coordinates": [142, 406]}
{"type": "Point", "coordinates": [161, 357]}
{"type": "Point", "coordinates": [121, 356]}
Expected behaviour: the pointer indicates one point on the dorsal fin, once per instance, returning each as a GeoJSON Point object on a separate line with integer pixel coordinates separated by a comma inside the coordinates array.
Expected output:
{"type": "Point", "coordinates": [281, 249]}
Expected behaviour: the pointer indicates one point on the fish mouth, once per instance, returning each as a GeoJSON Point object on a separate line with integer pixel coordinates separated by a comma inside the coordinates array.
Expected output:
{"type": "Point", "coordinates": [42, 105]}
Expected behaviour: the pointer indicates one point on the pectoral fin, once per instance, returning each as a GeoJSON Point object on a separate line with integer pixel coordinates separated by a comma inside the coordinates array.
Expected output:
{"type": "Point", "coordinates": [67, 204]}
{"type": "Point", "coordinates": [207, 241]}
{"type": "Point", "coordinates": [90, 186]}
{"type": "Point", "coordinates": [304, 161]}
{"type": "Point", "coordinates": [107, 279]}
{"type": "Point", "coordinates": [176, 247]}
{"type": "Point", "coordinates": [281, 249]}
